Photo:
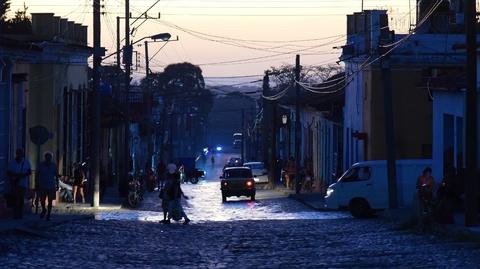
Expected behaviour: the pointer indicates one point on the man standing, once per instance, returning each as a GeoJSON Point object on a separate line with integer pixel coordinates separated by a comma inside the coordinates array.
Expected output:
{"type": "Point", "coordinates": [47, 177]}
{"type": "Point", "coordinates": [18, 172]}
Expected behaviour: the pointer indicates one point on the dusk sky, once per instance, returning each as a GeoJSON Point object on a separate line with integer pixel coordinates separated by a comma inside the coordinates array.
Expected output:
{"type": "Point", "coordinates": [221, 35]}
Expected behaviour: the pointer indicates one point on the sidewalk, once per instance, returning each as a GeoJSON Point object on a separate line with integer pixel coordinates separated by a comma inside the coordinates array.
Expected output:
{"type": "Point", "coordinates": [403, 219]}
{"type": "Point", "coordinates": [314, 200]}
{"type": "Point", "coordinates": [33, 225]}
{"type": "Point", "coordinates": [61, 213]}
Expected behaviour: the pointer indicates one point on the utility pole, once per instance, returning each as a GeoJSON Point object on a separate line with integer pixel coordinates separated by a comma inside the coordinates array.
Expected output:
{"type": "Point", "coordinates": [272, 135]}
{"type": "Point", "coordinates": [127, 58]}
{"type": "Point", "coordinates": [298, 138]}
{"type": "Point", "coordinates": [147, 62]}
{"type": "Point", "coordinates": [242, 150]}
{"type": "Point", "coordinates": [149, 103]}
{"type": "Point", "coordinates": [95, 148]}
{"type": "Point", "coordinates": [389, 132]}
{"type": "Point", "coordinates": [118, 43]}
{"type": "Point", "coordinates": [266, 112]}
{"type": "Point", "coordinates": [273, 155]}
{"type": "Point", "coordinates": [471, 116]}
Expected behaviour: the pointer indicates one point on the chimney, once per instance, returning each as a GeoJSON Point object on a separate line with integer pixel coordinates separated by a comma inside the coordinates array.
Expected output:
{"type": "Point", "coordinates": [43, 26]}
{"type": "Point", "coordinates": [56, 26]}
{"type": "Point", "coordinates": [84, 35]}
{"type": "Point", "coordinates": [78, 33]}
{"type": "Point", "coordinates": [71, 31]}
{"type": "Point", "coordinates": [63, 28]}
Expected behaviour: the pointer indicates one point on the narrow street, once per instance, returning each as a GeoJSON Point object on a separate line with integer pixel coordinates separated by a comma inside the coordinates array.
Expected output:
{"type": "Point", "coordinates": [272, 232]}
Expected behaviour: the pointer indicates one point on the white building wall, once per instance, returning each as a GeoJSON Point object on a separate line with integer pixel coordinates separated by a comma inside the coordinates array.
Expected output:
{"type": "Point", "coordinates": [451, 103]}
{"type": "Point", "coordinates": [353, 116]}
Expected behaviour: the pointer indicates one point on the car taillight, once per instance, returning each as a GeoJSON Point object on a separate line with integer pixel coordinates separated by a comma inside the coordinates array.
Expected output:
{"type": "Point", "coordinates": [249, 183]}
{"type": "Point", "coordinates": [225, 184]}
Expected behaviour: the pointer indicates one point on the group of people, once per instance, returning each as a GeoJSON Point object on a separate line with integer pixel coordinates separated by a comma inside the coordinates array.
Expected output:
{"type": "Point", "coordinates": [171, 194]}
{"type": "Point", "coordinates": [306, 175]}
{"type": "Point", "coordinates": [19, 171]}
{"type": "Point", "coordinates": [438, 201]}
{"type": "Point", "coordinates": [46, 184]}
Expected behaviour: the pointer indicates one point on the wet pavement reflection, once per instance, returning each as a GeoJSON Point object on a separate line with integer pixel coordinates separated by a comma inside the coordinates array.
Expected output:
{"type": "Point", "coordinates": [205, 204]}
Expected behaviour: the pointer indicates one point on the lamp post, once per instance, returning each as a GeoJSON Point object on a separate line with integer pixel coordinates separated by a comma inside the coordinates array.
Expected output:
{"type": "Point", "coordinates": [127, 51]}
{"type": "Point", "coordinates": [163, 37]}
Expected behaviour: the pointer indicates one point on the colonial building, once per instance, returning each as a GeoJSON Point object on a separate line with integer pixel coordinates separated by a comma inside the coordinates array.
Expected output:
{"type": "Point", "coordinates": [45, 83]}
{"type": "Point", "coordinates": [410, 59]}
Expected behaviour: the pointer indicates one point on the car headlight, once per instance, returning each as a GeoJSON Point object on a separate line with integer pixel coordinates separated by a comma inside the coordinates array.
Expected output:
{"type": "Point", "coordinates": [329, 192]}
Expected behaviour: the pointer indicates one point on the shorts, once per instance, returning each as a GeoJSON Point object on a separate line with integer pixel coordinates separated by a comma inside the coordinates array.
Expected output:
{"type": "Point", "coordinates": [50, 193]}
{"type": "Point", "coordinates": [78, 182]}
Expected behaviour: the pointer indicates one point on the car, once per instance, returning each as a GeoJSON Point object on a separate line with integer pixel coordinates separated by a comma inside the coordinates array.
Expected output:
{"type": "Point", "coordinates": [260, 173]}
{"type": "Point", "coordinates": [237, 181]}
{"type": "Point", "coordinates": [237, 144]}
{"type": "Point", "coordinates": [234, 162]}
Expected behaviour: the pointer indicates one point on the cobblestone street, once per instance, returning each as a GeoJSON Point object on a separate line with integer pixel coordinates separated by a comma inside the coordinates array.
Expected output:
{"type": "Point", "coordinates": [338, 243]}
{"type": "Point", "coordinates": [272, 232]}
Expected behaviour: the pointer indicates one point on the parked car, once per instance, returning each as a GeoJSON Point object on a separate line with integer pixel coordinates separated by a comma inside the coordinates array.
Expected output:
{"type": "Point", "coordinates": [363, 188]}
{"type": "Point", "coordinates": [237, 181]}
{"type": "Point", "coordinates": [260, 173]}
{"type": "Point", "coordinates": [234, 162]}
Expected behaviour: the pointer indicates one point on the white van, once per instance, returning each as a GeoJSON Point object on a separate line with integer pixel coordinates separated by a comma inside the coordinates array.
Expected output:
{"type": "Point", "coordinates": [364, 187]}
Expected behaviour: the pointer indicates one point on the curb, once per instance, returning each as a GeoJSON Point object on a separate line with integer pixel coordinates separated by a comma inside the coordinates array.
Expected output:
{"type": "Point", "coordinates": [298, 199]}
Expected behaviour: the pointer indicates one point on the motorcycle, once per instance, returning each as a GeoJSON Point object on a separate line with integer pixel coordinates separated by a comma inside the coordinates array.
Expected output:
{"type": "Point", "coordinates": [135, 192]}
{"type": "Point", "coordinates": [193, 176]}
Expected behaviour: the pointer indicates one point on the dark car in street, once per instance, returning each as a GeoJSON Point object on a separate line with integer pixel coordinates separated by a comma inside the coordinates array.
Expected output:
{"type": "Point", "coordinates": [237, 181]}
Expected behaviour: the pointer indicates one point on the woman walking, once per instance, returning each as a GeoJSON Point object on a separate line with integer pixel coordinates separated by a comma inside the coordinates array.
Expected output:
{"type": "Point", "coordinates": [78, 177]}
{"type": "Point", "coordinates": [175, 194]}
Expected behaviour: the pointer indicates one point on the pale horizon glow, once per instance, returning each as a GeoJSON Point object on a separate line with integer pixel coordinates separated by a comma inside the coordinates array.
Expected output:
{"type": "Point", "coordinates": [224, 20]}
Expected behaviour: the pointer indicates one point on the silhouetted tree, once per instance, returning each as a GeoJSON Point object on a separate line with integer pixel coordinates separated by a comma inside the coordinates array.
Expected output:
{"type": "Point", "coordinates": [4, 8]}
{"type": "Point", "coordinates": [19, 24]}
{"type": "Point", "coordinates": [284, 76]}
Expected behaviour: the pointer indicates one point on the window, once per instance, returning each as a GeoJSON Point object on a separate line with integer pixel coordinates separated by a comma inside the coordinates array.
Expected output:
{"type": "Point", "coordinates": [238, 173]}
{"type": "Point", "coordinates": [357, 174]}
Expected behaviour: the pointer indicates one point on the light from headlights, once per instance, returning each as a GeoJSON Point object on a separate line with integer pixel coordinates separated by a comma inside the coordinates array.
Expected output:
{"type": "Point", "coordinates": [329, 192]}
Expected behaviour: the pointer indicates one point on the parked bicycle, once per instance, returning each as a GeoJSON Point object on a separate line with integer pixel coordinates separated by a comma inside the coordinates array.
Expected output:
{"type": "Point", "coordinates": [135, 191]}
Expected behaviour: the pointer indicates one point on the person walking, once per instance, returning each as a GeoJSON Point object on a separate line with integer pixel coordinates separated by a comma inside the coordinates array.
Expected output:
{"type": "Point", "coordinates": [18, 172]}
{"type": "Point", "coordinates": [425, 185]}
{"type": "Point", "coordinates": [161, 170]}
{"type": "Point", "coordinates": [78, 178]}
{"type": "Point", "coordinates": [176, 211]}
{"type": "Point", "coordinates": [166, 193]}
{"type": "Point", "coordinates": [164, 196]}
{"type": "Point", "coordinates": [47, 177]}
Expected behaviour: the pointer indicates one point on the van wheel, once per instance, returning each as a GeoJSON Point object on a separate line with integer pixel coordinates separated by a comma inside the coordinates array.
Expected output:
{"type": "Point", "coordinates": [359, 208]}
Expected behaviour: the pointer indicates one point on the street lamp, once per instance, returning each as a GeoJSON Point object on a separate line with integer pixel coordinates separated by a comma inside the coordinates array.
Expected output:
{"type": "Point", "coordinates": [161, 36]}
{"type": "Point", "coordinates": [284, 119]}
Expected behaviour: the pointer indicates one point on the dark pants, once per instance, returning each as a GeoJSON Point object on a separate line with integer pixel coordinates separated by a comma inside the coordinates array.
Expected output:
{"type": "Point", "coordinates": [18, 198]}
{"type": "Point", "coordinates": [44, 195]}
